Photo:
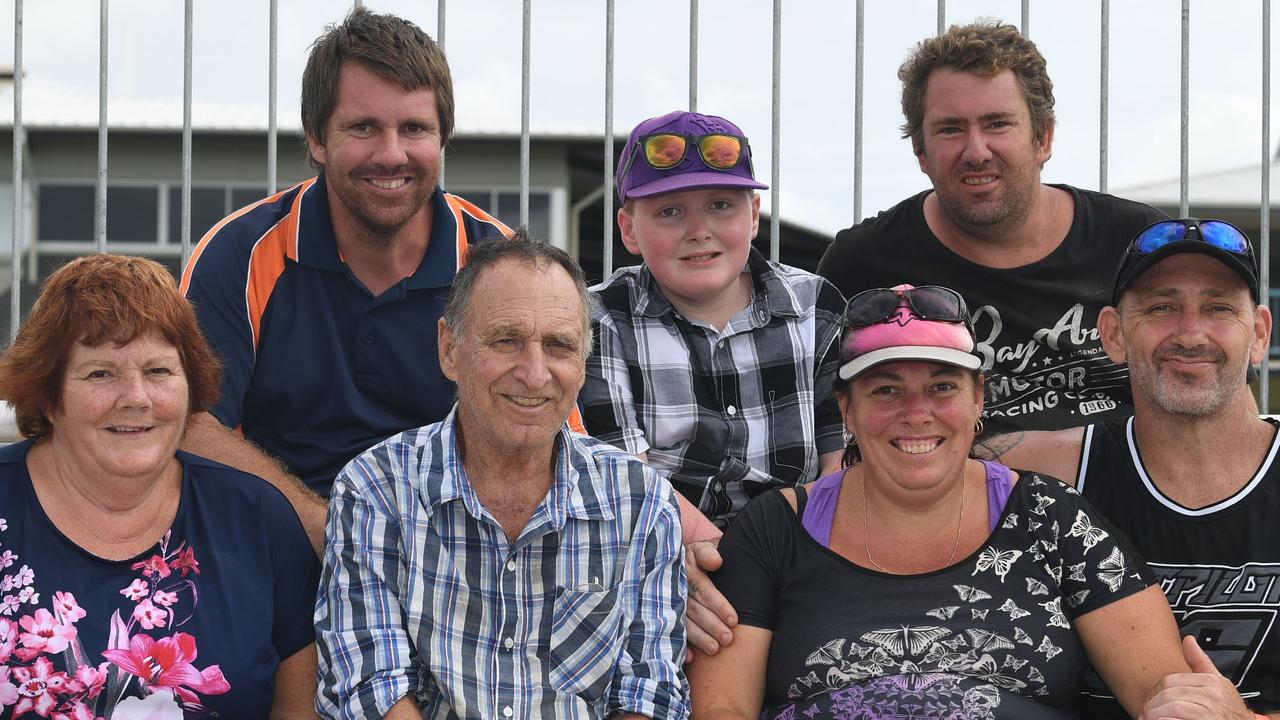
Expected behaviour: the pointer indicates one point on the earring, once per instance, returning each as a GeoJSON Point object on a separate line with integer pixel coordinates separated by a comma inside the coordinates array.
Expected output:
{"type": "Point", "coordinates": [849, 440]}
{"type": "Point", "coordinates": [977, 428]}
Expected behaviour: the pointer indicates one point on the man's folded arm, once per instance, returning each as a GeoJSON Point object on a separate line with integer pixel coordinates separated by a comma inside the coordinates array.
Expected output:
{"type": "Point", "coordinates": [650, 681]}
{"type": "Point", "coordinates": [367, 662]}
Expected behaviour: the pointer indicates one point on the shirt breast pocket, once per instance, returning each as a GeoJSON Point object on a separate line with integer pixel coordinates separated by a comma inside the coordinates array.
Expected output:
{"type": "Point", "coordinates": [586, 641]}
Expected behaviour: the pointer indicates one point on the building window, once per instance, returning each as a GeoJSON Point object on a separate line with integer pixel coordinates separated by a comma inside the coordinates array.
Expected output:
{"type": "Point", "coordinates": [66, 213]}
{"type": "Point", "coordinates": [134, 212]}
{"type": "Point", "coordinates": [505, 205]}
{"type": "Point", "coordinates": [208, 206]}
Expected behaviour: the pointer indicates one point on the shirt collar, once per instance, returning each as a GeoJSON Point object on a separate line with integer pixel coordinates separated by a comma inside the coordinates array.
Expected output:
{"type": "Point", "coordinates": [771, 294]}
{"type": "Point", "coordinates": [318, 246]}
{"type": "Point", "coordinates": [576, 486]}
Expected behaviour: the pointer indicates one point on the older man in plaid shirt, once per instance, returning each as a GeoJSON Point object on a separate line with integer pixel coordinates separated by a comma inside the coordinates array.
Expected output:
{"type": "Point", "coordinates": [495, 564]}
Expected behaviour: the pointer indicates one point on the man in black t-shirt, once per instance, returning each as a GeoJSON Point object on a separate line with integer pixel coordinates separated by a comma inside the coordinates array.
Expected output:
{"type": "Point", "coordinates": [1033, 261]}
{"type": "Point", "coordinates": [1193, 478]}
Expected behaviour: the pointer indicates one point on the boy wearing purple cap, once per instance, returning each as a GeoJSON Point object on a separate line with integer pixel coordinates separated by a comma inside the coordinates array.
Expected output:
{"type": "Point", "coordinates": [712, 363]}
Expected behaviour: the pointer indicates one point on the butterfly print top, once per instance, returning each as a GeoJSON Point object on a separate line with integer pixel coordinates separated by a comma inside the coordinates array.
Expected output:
{"type": "Point", "coordinates": [988, 637]}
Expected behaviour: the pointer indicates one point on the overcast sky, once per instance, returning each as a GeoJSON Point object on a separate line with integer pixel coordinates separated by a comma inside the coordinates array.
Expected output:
{"type": "Point", "coordinates": [817, 186]}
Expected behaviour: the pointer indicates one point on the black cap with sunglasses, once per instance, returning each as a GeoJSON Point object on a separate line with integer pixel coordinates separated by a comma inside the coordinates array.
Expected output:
{"type": "Point", "coordinates": [1216, 238]}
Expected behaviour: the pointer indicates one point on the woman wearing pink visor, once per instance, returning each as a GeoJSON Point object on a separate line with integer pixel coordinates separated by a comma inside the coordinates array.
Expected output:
{"type": "Point", "coordinates": [917, 581]}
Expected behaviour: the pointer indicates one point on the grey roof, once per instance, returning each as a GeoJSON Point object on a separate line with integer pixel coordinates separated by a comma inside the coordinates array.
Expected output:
{"type": "Point", "coordinates": [1234, 187]}
{"type": "Point", "coordinates": [48, 105]}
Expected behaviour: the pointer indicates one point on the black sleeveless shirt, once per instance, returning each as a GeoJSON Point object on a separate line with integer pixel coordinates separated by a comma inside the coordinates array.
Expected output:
{"type": "Point", "coordinates": [1219, 565]}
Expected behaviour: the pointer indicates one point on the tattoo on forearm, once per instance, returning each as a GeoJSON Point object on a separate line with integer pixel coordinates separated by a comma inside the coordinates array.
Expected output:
{"type": "Point", "coordinates": [992, 448]}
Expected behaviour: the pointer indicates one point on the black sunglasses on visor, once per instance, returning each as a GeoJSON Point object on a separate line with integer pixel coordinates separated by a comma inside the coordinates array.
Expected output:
{"type": "Point", "coordinates": [927, 302]}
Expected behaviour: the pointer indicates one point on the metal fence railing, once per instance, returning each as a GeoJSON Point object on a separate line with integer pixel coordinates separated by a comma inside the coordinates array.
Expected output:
{"type": "Point", "coordinates": [858, 32]}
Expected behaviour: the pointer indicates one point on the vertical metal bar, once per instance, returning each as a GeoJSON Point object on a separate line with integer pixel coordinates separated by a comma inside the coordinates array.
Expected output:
{"type": "Point", "coordinates": [187, 26]}
{"type": "Point", "coordinates": [608, 140]}
{"type": "Point", "coordinates": [775, 222]}
{"type": "Point", "coordinates": [1026, 18]}
{"type": "Point", "coordinates": [273, 35]}
{"type": "Point", "coordinates": [15, 269]}
{"type": "Point", "coordinates": [439, 41]}
{"type": "Point", "coordinates": [524, 115]}
{"type": "Point", "coordinates": [942, 16]}
{"type": "Point", "coordinates": [100, 189]}
{"type": "Point", "coordinates": [1184, 184]}
{"type": "Point", "coordinates": [693, 55]}
{"type": "Point", "coordinates": [1264, 234]}
{"type": "Point", "coordinates": [1104, 95]}
{"type": "Point", "coordinates": [857, 112]}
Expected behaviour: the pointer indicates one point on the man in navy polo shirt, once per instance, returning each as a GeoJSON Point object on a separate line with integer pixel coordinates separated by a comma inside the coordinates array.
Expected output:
{"type": "Point", "coordinates": [322, 300]}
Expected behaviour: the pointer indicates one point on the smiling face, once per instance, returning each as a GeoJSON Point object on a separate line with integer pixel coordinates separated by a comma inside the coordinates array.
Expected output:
{"type": "Point", "coordinates": [1189, 329]}
{"type": "Point", "coordinates": [519, 359]}
{"type": "Point", "coordinates": [123, 409]}
{"type": "Point", "coordinates": [696, 243]}
{"type": "Point", "coordinates": [913, 419]}
{"type": "Point", "coordinates": [381, 152]}
{"type": "Point", "coordinates": [979, 149]}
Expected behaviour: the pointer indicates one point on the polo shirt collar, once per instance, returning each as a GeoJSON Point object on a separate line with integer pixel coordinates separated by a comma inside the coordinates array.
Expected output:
{"type": "Point", "coordinates": [576, 486]}
{"type": "Point", "coordinates": [770, 292]}
{"type": "Point", "coordinates": [318, 246]}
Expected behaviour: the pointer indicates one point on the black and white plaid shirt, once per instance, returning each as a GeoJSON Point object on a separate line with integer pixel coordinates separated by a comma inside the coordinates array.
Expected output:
{"type": "Point", "coordinates": [724, 415]}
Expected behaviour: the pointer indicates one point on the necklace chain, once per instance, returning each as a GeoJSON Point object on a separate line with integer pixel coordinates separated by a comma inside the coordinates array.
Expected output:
{"type": "Point", "coordinates": [866, 535]}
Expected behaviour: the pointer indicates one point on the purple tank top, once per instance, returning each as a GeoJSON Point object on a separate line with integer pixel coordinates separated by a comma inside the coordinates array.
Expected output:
{"type": "Point", "coordinates": [820, 510]}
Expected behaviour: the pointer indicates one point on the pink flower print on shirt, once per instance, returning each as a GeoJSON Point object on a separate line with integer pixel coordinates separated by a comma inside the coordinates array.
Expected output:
{"type": "Point", "coordinates": [6, 559]}
{"type": "Point", "coordinates": [162, 597]}
{"type": "Point", "coordinates": [9, 605]}
{"type": "Point", "coordinates": [4, 524]}
{"type": "Point", "coordinates": [23, 577]}
{"type": "Point", "coordinates": [150, 616]}
{"type": "Point", "coordinates": [90, 679]}
{"type": "Point", "coordinates": [29, 595]}
{"type": "Point", "coordinates": [37, 687]}
{"type": "Point", "coordinates": [186, 561]}
{"type": "Point", "coordinates": [154, 565]}
{"type": "Point", "coordinates": [78, 712]}
{"type": "Point", "coordinates": [137, 590]}
{"type": "Point", "coordinates": [8, 639]}
{"type": "Point", "coordinates": [168, 663]}
{"type": "Point", "coordinates": [65, 605]}
{"type": "Point", "coordinates": [44, 633]}
{"type": "Point", "coordinates": [8, 691]}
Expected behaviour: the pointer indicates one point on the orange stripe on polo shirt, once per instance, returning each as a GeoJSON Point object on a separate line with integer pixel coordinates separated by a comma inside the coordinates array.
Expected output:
{"type": "Point", "coordinates": [459, 206]}
{"type": "Point", "coordinates": [204, 241]}
{"type": "Point", "coordinates": [267, 261]}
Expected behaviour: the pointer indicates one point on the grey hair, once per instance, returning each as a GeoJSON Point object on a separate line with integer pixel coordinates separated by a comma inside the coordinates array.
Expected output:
{"type": "Point", "coordinates": [520, 246]}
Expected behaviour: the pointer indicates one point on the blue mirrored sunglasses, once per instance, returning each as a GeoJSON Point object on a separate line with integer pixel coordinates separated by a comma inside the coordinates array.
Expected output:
{"type": "Point", "coordinates": [1222, 235]}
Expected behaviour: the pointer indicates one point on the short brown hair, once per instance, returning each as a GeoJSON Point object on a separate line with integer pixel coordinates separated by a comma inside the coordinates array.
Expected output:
{"type": "Point", "coordinates": [985, 48]}
{"type": "Point", "coordinates": [93, 300]}
{"type": "Point", "coordinates": [391, 47]}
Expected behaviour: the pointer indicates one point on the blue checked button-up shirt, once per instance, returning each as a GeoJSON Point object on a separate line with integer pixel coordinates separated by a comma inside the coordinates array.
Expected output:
{"type": "Point", "coordinates": [582, 616]}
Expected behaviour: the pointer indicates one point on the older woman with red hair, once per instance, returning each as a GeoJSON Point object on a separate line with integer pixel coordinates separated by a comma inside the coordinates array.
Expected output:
{"type": "Point", "coordinates": [136, 580]}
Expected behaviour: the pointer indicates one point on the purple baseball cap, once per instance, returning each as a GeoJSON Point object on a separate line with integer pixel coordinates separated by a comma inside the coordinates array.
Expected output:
{"type": "Point", "coordinates": [642, 180]}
